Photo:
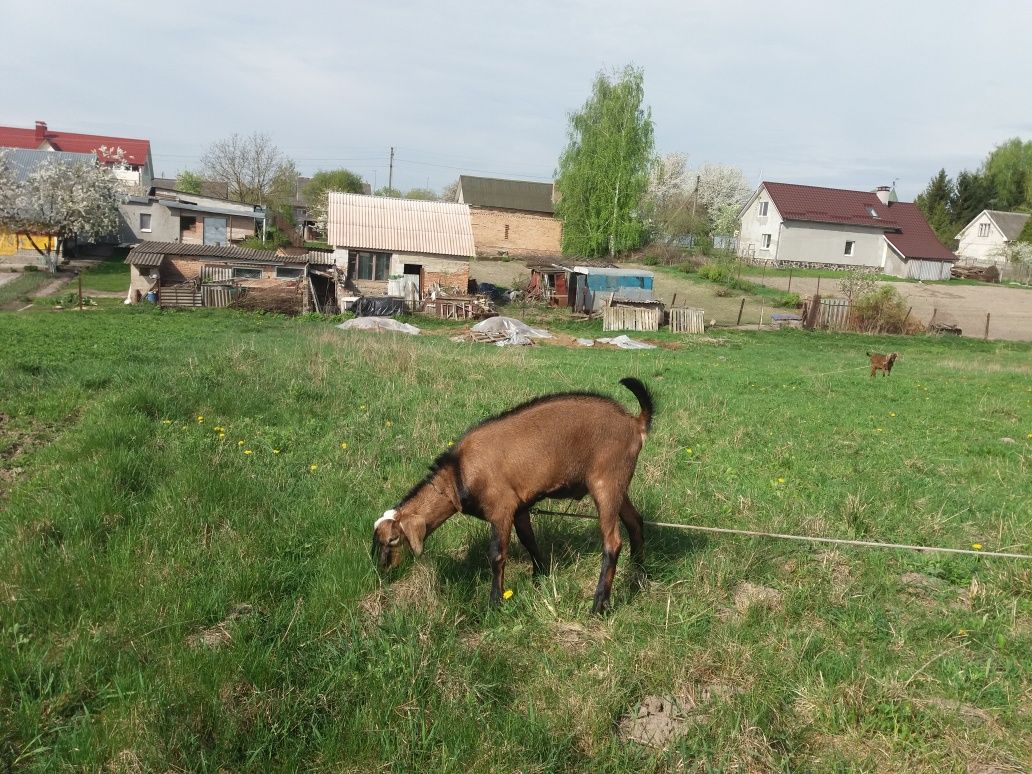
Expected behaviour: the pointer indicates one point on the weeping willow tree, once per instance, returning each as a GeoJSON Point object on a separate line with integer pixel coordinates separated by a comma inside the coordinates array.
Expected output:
{"type": "Point", "coordinates": [603, 175]}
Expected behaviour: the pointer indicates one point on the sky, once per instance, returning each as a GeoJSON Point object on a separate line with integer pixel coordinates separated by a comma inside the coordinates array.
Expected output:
{"type": "Point", "coordinates": [822, 93]}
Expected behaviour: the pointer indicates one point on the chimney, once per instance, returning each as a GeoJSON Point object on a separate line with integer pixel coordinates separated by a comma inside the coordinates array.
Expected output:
{"type": "Point", "coordinates": [884, 194]}
{"type": "Point", "coordinates": [41, 131]}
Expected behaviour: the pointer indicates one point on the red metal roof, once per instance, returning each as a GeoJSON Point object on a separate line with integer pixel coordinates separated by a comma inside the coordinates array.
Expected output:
{"type": "Point", "coordinates": [134, 151]}
{"type": "Point", "coordinates": [903, 223]}
{"type": "Point", "coordinates": [915, 239]}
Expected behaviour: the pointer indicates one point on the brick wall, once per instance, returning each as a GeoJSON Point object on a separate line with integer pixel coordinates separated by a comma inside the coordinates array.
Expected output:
{"type": "Point", "coordinates": [530, 234]}
{"type": "Point", "coordinates": [458, 278]}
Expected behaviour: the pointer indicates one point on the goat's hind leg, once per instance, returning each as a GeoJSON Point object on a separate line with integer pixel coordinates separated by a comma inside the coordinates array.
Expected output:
{"type": "Point", "coordinates": [635, 527]}
{"type": "Point", "coordinates": [608, 519]}
{"type": "Point", "coordinates": [525, 532]}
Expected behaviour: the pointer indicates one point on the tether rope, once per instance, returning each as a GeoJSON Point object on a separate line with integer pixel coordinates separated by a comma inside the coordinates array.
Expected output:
{"type": "Point", "coordinates": [806, 538]}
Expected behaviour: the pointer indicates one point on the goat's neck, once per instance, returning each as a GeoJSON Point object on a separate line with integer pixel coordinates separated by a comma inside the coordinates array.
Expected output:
{"type": "Point", "coordinates": [433, 502]}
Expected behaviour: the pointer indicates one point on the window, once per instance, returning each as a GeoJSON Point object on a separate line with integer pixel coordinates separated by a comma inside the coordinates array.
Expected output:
{"type": "Point", "coordinates": [763, 209]}
{"type": "Point", "coordinates": [187, 222]}
{"type": "Point", "coordinates": [765, 241]}
{"type": "Point", "coordinates": [289, 272]}
{"type": "Point", "coordinates": [872, 212]}
{"type": "Point", "coordinates": [983, 229]}
{"type": "Point", "coordinates": [372, 266]}
{"type": "Point", "coordinates": [506, 230]}
{"type": "Point", "coordinates": [246, 272]}
{"type": "Point", "coordinates": [145, 221]}
{"type": "Point", "coordinates": [849, 248]}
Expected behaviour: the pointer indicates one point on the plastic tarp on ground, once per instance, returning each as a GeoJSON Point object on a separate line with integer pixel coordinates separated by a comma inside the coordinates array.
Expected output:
{"type": "Point", "coordinates": [379, 306]}
{"type": "Point", "coordinates": [378, 324]}
{"type": "Point", "coordinates": [626, 342]}
{"type": "Point", "coordinates": [517, 333]}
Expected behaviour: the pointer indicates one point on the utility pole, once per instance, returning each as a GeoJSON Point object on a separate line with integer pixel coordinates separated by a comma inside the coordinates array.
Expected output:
{"type": "Point", "coordinates": [390, 173]}
{"type": "Point", "coordinates": [695, 196]}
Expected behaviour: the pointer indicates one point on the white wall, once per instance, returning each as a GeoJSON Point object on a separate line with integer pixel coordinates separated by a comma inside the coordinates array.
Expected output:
{"type": "Point", "coordinates": [753, 226]}
{"type": "Point", "coordinates": [972, 247]}
{"type": "Point", "coordinates": [826, 243]}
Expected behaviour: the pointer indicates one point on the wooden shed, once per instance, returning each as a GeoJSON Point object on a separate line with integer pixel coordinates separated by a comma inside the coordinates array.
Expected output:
{"type": "Point", "coordinates": [187, 275]}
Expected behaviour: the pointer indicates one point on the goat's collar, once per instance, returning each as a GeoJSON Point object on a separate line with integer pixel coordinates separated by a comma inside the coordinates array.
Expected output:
{"type": "Point", "coordinates": [387, 516]}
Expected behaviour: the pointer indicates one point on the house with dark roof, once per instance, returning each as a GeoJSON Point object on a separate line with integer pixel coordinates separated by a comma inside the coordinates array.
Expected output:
{"type": "Point", "coordinates": [511, 217]}
{"type": "Point", "coordinates": [987, 236]}
{"type": "Point", "coordinates": [809, 226]}
{"type": "Point", "coordinates": [168, 215]}
{"type": "Point", "coordinates": [129, 158]}
{"type": "Point", "coordinates": [405, 248]}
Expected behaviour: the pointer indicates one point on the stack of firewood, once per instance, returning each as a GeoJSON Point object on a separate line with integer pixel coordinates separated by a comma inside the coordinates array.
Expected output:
{"type": "Point", "coordinates": [984, 273]}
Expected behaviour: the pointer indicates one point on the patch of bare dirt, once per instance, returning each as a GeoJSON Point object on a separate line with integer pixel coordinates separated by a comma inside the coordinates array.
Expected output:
{"type": "Point", "coordinates": [126, 762]}
{"type": "Point", "coordinates": [219, 635]}
{"type": "Point", "coordinates": [657, 721]}
{"type": "Point", "coordinates": [417, 590]}
{"type": "Point", "coordinates": [15, 442]}
{"type": "Point", "coordinates": [750, 596]}
{"type": "Point", "coordinates": [991, 768]}
{"type": "Point", "coordinates": [575, 637]}
{"type": "Point", "coordinates": [968, 714]}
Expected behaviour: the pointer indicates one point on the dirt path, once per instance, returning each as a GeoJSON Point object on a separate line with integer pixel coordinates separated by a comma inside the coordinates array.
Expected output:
{"type": "Point", "coordinates": [1010, 309]}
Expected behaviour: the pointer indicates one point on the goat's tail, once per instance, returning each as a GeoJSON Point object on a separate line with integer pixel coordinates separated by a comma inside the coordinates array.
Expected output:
{"type": "Point", "coordinates": [641, 392]}
{"type": "Point", "coordinates": [868, 354]}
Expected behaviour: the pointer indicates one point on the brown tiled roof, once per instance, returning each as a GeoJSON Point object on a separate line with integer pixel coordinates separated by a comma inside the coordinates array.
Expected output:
{"type": "Point", "coordinates": [915, 238]}
{"type": "Point", "coordinates": [147, 254]}
{"type": "Point", "coordinates": [829, 205]}
{"type": "Point", "coordinates": [133, 151]}
{"type": "Point", "coordinates": [903, 224]}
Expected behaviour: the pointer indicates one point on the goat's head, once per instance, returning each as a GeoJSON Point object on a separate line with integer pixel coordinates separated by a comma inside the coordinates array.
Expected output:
{"type": "Point", "coordinates": [422, 510]}
{"type": "Point", "coordinates": [891, 360]}
{"type": "Point", "coordinates": [391, 534]}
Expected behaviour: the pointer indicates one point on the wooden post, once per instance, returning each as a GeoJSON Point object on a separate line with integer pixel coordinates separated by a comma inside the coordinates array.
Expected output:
{"type": "Point", "coordinates": [80, 300]}
{"type": "Point", "coordinates": [741, 308]}
{"type": "Point", "coordinates": [986, 337]}
{"type": "Point", "coordinates": [911, 309]}
{"type": "Point", "coordinates": [935, 311]}
{"type": "Point", "coordinates": [817, 294]}
{"type": "Point", "coordinates": [673, 302]}
{"type": "Point", "coordinates": [761, 317]}
{"type": "Point", "coordinates": [789, 289]}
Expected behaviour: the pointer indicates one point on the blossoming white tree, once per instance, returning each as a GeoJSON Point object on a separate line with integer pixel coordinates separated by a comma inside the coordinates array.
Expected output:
{"type": "Point", "coordinates": [60, 199]}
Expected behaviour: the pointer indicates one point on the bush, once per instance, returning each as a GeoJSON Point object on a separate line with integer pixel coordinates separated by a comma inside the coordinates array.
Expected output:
{"type": "Point", "coordinates": [881, 311]}
{"type": "Point", "coordinates": [789, 300]}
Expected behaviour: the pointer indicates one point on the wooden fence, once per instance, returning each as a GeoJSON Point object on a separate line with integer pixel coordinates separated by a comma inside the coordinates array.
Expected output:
{"type": "Point", "coordinates": [180, 295]}
{"type": "Point", "coordinates": [631, 318]}
{"type": "Point", "coordinates": [687, 320]}
{"type": "Point", "coordinates": [834, 314]}
{"type": "Point", "coordinates": [217, 295]}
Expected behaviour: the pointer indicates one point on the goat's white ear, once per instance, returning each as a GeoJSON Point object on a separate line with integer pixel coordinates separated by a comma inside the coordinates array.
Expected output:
{"type": "Point", "coordinates": [415, 531]}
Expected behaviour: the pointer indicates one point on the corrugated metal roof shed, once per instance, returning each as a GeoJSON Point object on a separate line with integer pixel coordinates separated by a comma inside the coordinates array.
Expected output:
{"type": "Point", "coordinates": [24, 162]}
{"type": "Point", "coordinates": [506, 194]}
{"type": "Point", "coordinates": [380, 223]}
{"type": "Point", "coordinates": [153, 253]}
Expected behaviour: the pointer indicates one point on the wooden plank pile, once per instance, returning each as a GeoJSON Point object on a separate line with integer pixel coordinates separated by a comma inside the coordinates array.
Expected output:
{"type": "Point", "coordinates": [989, 273]}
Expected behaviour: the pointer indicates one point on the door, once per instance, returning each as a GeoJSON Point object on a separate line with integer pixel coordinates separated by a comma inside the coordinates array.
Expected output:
{"type": "Point", "coordinates": [214, 231]}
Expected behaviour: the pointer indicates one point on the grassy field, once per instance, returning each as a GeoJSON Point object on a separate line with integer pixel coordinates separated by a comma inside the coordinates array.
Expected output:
{"type": "Point", "coordinates": [110, 276]}
{"type": "Point", "coordinates": [184, 555]}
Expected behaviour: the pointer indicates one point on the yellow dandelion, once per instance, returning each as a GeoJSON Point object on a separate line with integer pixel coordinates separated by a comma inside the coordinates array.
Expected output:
{"type": "Point", "coordinates": [877, 430]}
{"type": "Point", "coordinates": [507, 594]}
{"type": "Point", "coordinates": [169, 422]}
{"type": "Point", "coordinates": [200, 418]}
{"type": "Point", "coordinates": [388, 423]}
{"type": "Point", "coordinates": [313, 468]}
{"type": "Point", "coordinates": [781, 481]}
{"type": "Point", "coordinates": [689, 450]}
{"type": "Point", "coordinates": [362, 407]}
{"type": "Point", "coordinates": [977, 546]}
{"type": "Point", "coordinates": [452, 443]}
{"type": "Point", "coordinates": [248, 451]}
{"type": "Point", "coordinates": [221, 436]}
{"type": "Point", "coordinates": [892, 413]}
{"type": "Point", "coordinates": [240, 443]}
{"type": "Point", "coordinates": [1030, 435]}
{"type": "Point", "coordinates": [344, 446]}
{"type": "Point", "coordinates": [275, 451]}
{"type": "Point", "coordinates": [962, 632]}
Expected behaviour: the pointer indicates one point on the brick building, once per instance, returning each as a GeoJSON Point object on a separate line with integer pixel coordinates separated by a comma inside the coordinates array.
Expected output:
{"type": "Point", "coordinates": [511, 217]}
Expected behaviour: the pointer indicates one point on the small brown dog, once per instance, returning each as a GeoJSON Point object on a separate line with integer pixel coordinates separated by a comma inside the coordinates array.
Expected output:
{"type": "Point", "coordinates": [880, 362]}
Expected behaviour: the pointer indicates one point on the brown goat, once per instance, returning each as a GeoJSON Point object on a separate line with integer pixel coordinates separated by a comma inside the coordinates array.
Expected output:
{"type": "Point", "coordinates": [559, 446]}
{"type": "Point", "coordinates": [880, 362]}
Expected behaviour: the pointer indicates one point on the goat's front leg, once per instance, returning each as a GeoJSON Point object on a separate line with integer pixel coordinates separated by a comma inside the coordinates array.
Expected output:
{"type": "Point", "coordinates": [499, 552]}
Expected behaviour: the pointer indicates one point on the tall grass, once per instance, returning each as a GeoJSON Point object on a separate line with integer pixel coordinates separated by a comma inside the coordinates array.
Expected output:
{"type": "Point", "coordinates": [173, 601]}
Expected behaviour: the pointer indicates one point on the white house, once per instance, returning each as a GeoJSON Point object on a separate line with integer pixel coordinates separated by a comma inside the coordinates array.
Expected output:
{"type": "Point", "coordinates": [400, 247]}
{"type": "Point", "coordinates": [986, 237]}
{"type": "Point", "coordinates": [809, 226]}
{"type": "Point", "coordinates": [168, 215]}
